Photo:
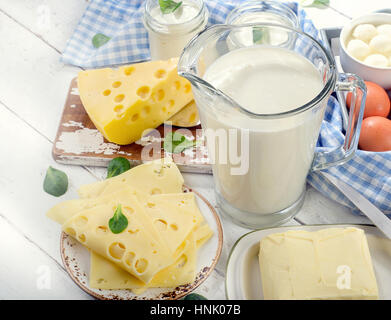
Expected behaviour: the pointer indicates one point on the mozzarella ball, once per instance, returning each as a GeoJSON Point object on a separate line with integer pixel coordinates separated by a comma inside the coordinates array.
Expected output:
{"type": "Point", "coordinates": [381, 44]}
{"type": "Point", "coordinates": [365, 32]}
{"type": "Point", "coordinates": [376, 60]}
{"type": "Point", "coordinates": [384, 29]}
{"type": "Point", "coordinates": [358, 49]}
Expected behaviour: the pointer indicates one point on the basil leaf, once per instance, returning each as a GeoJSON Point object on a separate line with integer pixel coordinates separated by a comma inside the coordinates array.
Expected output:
{"type": "Point", "coordinates": [99, 40]}
{"type": "Point", "coordinates": [174, 142]}
{"type": "Point", "coordinates": [194, 296]}
{"type": "Point", "coordinates": [117, 166]}
{"type": "Point", "coordinates": [168, 6]}
{"type": "Point", "coordinates": [118, 222]}
{"type": "Point", "coordinates": [56, 182]}
{"type": "Point", "coordinates": [260, 35]}
{"type": "Point", "coordinates": [314, 3]}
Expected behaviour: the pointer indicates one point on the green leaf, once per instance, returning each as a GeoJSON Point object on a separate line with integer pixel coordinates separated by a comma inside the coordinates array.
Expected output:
{"type": "Point", "coordinates": [99, 40]}
{"type": "Point", "coordinates": [174, 142]}
{"type": "Point", "coordinates": [314, 3]}
{"type": "Point", "coordinates": [194, 296]}
{"type": "Point", "coordinates": [118, 222]}
{"type": "Point", "coordinates": [168, 6]}
{"type": "Point", "coordinates": [117, 166]}
{"type": "Point", "coordinates": [56, 182]}
{"type": "Point", "coordinates": [261, 35]}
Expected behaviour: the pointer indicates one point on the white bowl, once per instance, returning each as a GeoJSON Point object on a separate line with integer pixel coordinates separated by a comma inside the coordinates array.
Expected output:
{"type": "Point", "coordinates": [381, 76]}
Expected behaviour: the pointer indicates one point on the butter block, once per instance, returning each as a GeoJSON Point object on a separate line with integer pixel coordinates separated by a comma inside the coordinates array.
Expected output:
{"type": "Point", "coordinates": [124, 102]}
{"type": "Point", "coordinates": [333, 263]}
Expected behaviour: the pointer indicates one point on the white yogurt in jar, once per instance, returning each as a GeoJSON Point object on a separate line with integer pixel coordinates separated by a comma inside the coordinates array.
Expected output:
{"type": "Point", "coordinates": [169, 33]}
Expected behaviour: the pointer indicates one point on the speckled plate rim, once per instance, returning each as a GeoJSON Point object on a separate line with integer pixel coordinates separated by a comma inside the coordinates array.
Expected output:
{"type": "Point", "coordinates": [227, 278]}
{"type": "Point", "coordinates": [200, 277]}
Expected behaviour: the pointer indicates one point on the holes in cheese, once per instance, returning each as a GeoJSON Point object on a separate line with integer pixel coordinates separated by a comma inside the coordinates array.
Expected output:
{"type": "Point", "coordinates": [116, 84]}
{"type": "Point", "coordinates": [160, 74]}
{"type": "Point", "coordinates": [128, 70]}
{"type": "Point", "coordinates": [177, 85]}
{"type": "Point", "coordinates": [119, 108]}
{"type": "Point", "coordinates": [141, 265]}
{"type": "Point", "coordinates": [101, 230]}
{"type": "Point", "coordinates": [117, 250]}
{"type": "Point", "coordinates": [187, 87]}
{"type": "Point", "coordinates": [151, 84]}
{"type": "Point", "coordinates": [135, 117]}
{"type": "Point", "coordinates": [145, 111]}
{"type": "Point", "coordinates": [128, 210]}
{"type": "Point", "coordinates": [160, 224]}
{"type": "Point", "coordinates": [133, 231]}
{"type": "Point", "coordinates": [174, 227]}
{"type": "Point", "coordinates": [182, 261]}
{"type": "Point", "coordinates": [129, 257]}
{"type": "Point", "coordinates": [143, 92]}
{"type": "Point", "coordinates": [171, 104]}
{"type": "Point", "coordinates": [81, 221]}
{"type": "Point", "coordinates": [82, 238]}
{"type": "Point", "coordinates": [151, 204]}
{"type": "Point", "coordinates": [106, 92]}
{"type": "Point", "coordinates": [119, 98]}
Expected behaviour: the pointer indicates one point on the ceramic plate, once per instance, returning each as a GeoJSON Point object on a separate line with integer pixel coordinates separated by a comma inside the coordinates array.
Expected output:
{"type": "Point", "coordinates": [76, 260]}
{"type": "Point", "coordinates": [243, 279]}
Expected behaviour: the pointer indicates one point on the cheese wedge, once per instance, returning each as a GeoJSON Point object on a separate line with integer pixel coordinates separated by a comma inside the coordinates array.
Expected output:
{"type": "Point", "coordinates": [186, 117]}
{"type": "Point", "coordinates": [139, 249]}
{"type": "Point", "coordinates": [106, 275]}
{"type": "Point", "coordinates": [124, 102]}
{"type": "Point", "coordinates": [332, 263]}
{"type": "Point", "coordinates": [154, 177]}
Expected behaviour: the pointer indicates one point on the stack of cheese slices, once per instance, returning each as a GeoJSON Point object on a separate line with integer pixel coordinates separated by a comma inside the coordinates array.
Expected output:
{"type": "Point", "coordinates": [123, 103]}
{"type": "Point", "coordinates": [165, 228]}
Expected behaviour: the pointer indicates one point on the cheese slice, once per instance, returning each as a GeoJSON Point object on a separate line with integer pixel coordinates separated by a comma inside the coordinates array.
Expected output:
{"type": "Point", "coordinates": [154, 177]}
{"type": "Point", "coordinates": [175, 216]}
{"type": "Point", "coordinates": [202, 234]}
{"type": "Point", "coordinates": [139, 249]}
{"type": "Point", "coordinates": [106, 275]}
{"type": "Point", "coordinates": [332, 263]}
{"type": "Point", "coordinates": [186, 117]}
{"type": "Point", "coordinates": [124, 102]}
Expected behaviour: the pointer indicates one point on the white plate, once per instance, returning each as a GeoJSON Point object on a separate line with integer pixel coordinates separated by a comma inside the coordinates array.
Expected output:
{"type": "Point", "coordinates": [76, 259]}
{"type": "Point", "coordinates": [243, 279]}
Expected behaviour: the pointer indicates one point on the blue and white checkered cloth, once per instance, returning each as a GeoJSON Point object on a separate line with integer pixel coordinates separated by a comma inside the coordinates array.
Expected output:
{"type": "Point", "coordinates": [121, 20]}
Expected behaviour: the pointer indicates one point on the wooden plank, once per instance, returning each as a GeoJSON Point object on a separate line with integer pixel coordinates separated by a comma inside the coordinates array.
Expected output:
{"type": "Point", "coordinates": [28, 273]}
{"type": "Point", "coordinates": [53, 21]}
{"type": "Point", "coordinates": [25, 157]}
{"type": "Point", "coordinates": [34, 82]}
{"type": "Point", "coordinates": [78, 142]}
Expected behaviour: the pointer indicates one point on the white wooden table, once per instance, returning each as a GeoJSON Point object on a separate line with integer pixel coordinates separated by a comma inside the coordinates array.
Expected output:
{"type": "Point", "coordinates": [33, 86]}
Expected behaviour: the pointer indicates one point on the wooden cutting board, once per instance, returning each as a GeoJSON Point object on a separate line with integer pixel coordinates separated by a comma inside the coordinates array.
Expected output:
{"type": "Point", "coordinates": [78, 142]}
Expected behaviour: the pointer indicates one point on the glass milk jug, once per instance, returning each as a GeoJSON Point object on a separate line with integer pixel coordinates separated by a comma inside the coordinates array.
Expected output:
{"type": "Point", "coordinates": [260, 152]}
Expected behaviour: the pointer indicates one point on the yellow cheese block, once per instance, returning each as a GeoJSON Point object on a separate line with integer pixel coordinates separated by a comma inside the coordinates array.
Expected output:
{"type": "Point", "coordinates": [187, 117]}
{"type": "Point", "coordinates": [332, 263]}
{"type": "Point", "coordinates": [139, 249]}
{"type": "Point", "coordinates": [202, 234]}
{"type": "Point", "coordinates": [124, 102]}
{"type": "Point", "coordinates": [106, 275]}
{"type": "Point", "coordinates": [154, 177]}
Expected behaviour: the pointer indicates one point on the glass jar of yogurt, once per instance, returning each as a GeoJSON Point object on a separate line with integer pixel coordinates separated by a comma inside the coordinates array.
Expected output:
{"type": "Point", "coordinates": [169, 33]}
{"type": "Point", "coordinates": [263, 12]}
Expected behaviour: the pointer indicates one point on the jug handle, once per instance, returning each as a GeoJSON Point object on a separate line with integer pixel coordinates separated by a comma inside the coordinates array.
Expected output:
{"type": "Point", "coordinates": [346, 83]}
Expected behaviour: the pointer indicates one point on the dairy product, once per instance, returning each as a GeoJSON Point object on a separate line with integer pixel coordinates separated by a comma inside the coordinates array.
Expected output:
{"type": "Point", "coordinates": [169, 33]}
{"type": "Point", "coordinates": [264, 80]}
{"type": "Point", "coordinates": [365, 32]}
{"type": "Point", "coordinates": [332, 263]}
{"type": "Point", "coordinates": [124, 102]}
